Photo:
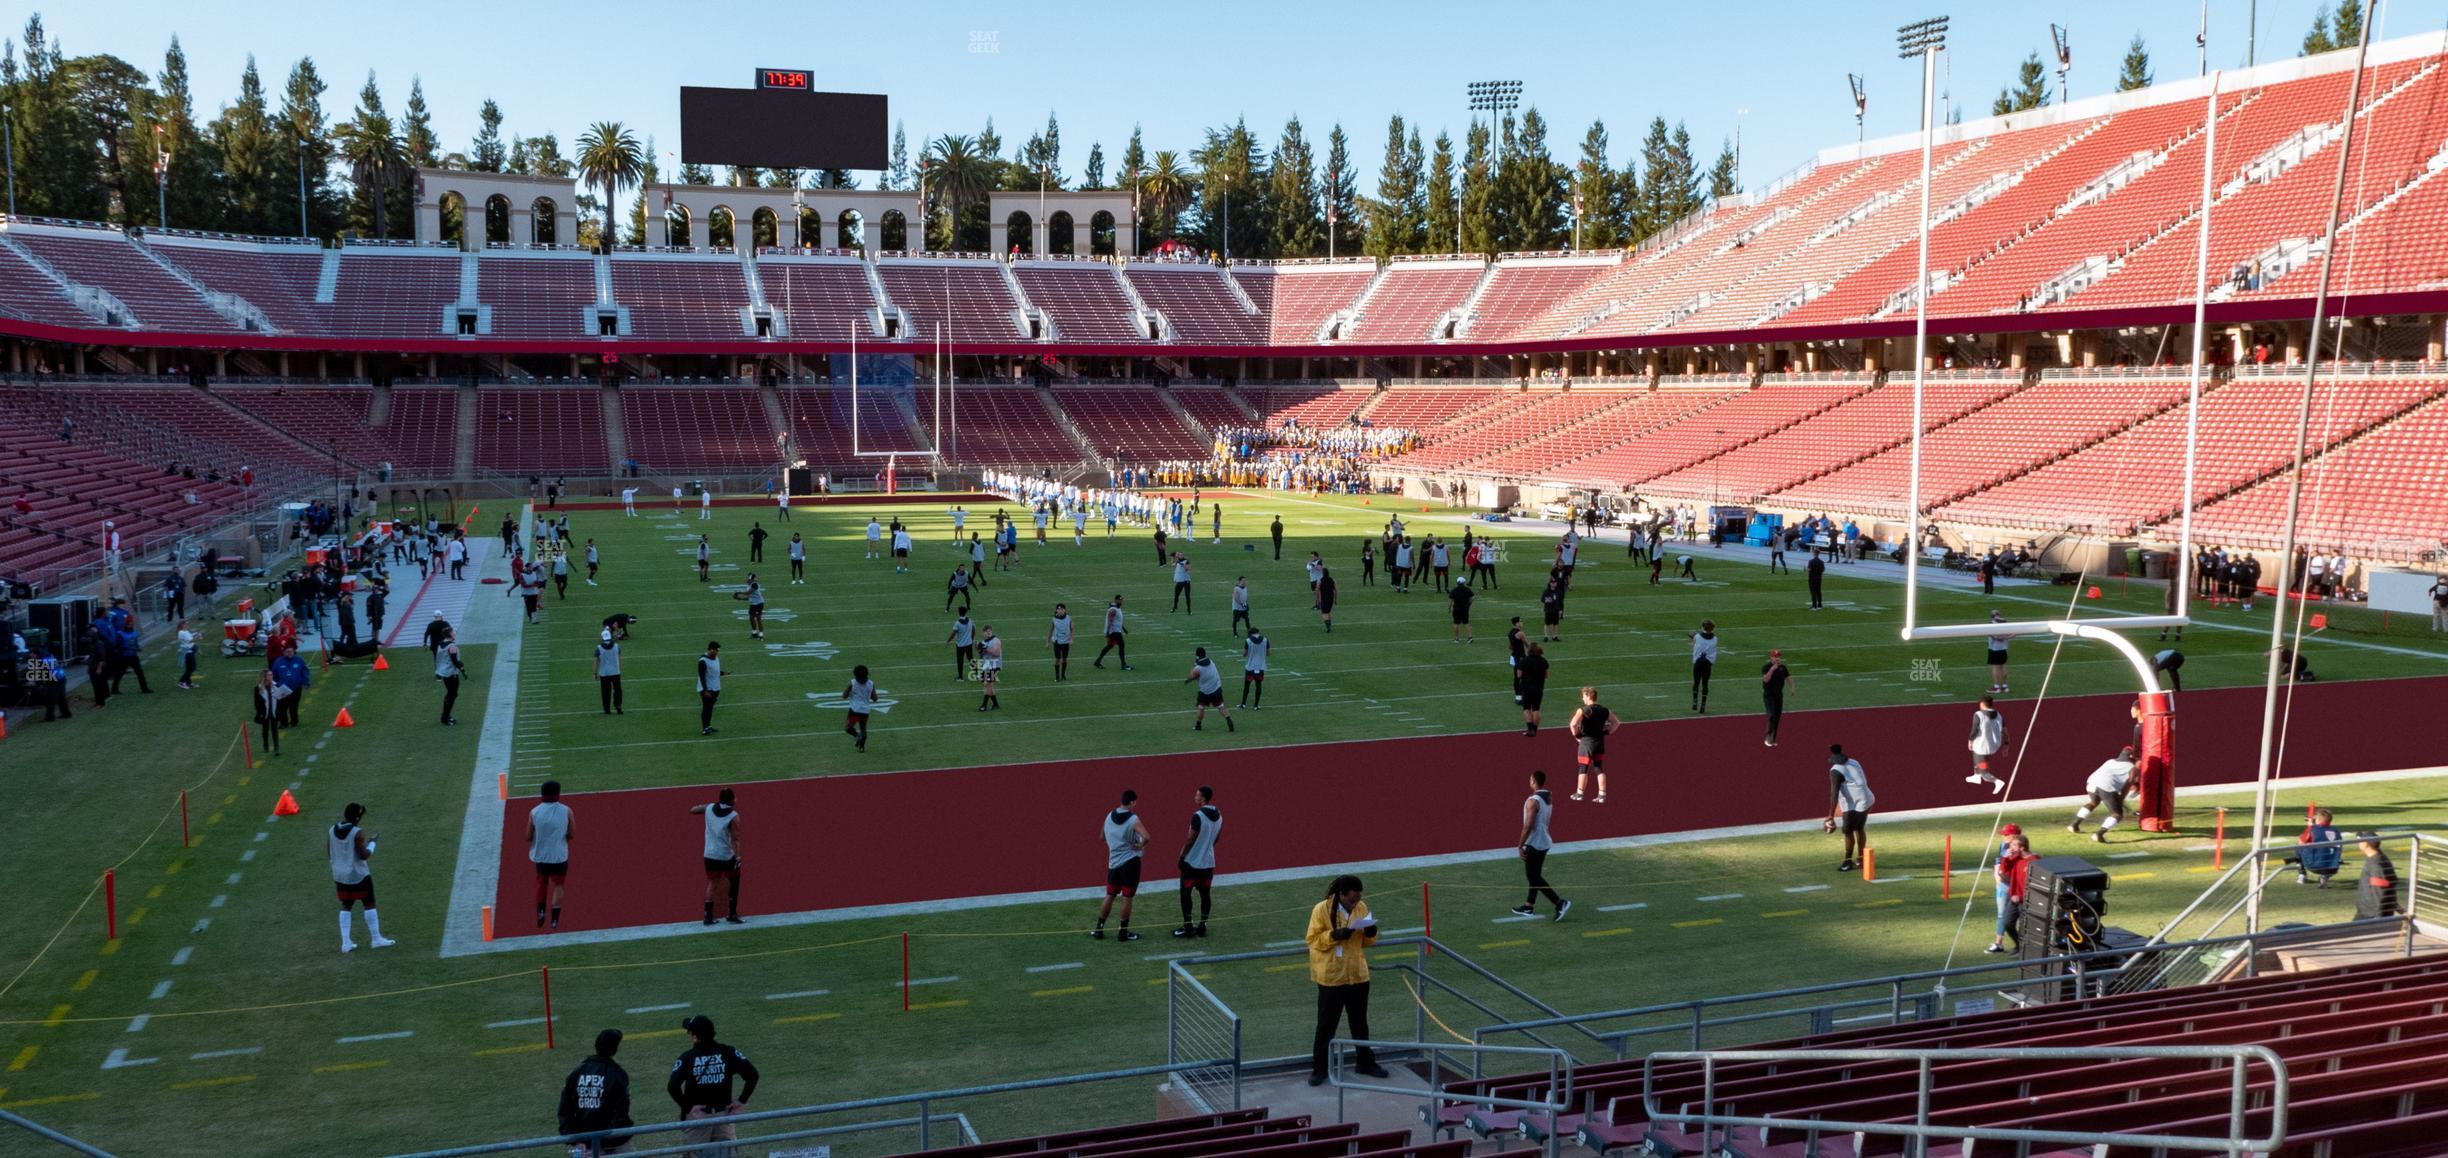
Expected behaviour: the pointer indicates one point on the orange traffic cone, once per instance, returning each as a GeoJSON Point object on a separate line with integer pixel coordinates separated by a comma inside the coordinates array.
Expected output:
{"type": "Point", "coordinates": [381, 664]}
{"type": "Point", "coordinates": [2093, 593]}
{"type": "Point", "coordinates": [2320, 622]}
{"type": "Point", "coordinates": [344, 721]}
{"type": "Point", "coordinates": [286, 806]}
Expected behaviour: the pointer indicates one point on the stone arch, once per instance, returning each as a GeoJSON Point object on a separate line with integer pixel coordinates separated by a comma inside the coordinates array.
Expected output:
{"type": "Point", "coordinates": [545, 229]}
{"type": "Point", "coordinates": [850, 229]}
{"type": "Point", "coordinates": [1101, 234]}
{"type": "Point", "coordinates": [454, 218]}
{"type": "Point", "coordinates": [677, 221]}
{"type": "Point", "coordinates": [496, 220]}
{"type": "Point", "coordinates": [1019, 234]}
{"type": "Point", "coordinates": [765, 227]}
{"type": "Point", "coordinates": [893, 233]}
{"type": "Point", "coordinates": [722, 228]}
{"type": "Point", "coordinates": [1060, 236]}
{"type": "Point", "coordinates": [811, 231]}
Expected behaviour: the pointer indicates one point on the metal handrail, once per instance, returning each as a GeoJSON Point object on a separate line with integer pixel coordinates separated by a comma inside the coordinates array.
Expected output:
{"type": "Point", "coordinates": [48, 1134]}
{"type": "Point", "coordinates": [923, 1100]}
{"type": "Point", "coordinates": [1558, 1087]}
{"type": "Point", "coordinates": [2239, 1057]}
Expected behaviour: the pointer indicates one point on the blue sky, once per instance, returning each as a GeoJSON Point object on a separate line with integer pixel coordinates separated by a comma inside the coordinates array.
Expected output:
{"type": "Point", "coordinates": [1177, 68]}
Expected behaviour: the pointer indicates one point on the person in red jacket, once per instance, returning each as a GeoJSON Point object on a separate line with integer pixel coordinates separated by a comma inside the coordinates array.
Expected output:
{"type": "Point", "coordinates": [2013, 871]}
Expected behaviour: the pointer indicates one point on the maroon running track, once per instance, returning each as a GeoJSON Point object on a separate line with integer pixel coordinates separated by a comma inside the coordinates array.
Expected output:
{"type": "Point", "coordinates": [834, 842]}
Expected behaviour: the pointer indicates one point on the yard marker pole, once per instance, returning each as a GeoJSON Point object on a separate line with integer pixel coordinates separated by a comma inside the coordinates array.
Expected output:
{"type": "Point", "coordinates": [905, 972]}
{"type": "Point", "coordinates": [1427, 914]}
{"type": "Point", "coordinates": [110, 904]}
{"type": "Point", "coordinates": [501, 784]}
{"type": "Point", "coordinates": [2218, 850]}
{"type": "Point", "coordinates": [545, 971]}
{"type": "Point", "coordinates": [1946, 872]}
{"type": "Point", "coordinates": [487, 916]}
{"type": "Point", "coordinates": [247, 742]}
{"type": "Point", "coordinates": [183, 843]}
{"type": "Point", "coordinates": [1869, 863]}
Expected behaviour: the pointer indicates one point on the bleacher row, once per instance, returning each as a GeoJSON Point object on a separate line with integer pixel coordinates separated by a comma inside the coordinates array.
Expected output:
{"type": "Point", "coordinates": [2078, 208]}
{"type": "Point", "coordinates": [1243, 1133]}
{"type": "Point", "coordinates": [2361, 1045]}
{"type": "Point", "coordinates": [2097, 455]}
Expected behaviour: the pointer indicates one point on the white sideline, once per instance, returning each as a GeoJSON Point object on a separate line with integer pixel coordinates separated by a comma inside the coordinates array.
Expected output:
{"type": "Point", "coordinates": [494, 621]}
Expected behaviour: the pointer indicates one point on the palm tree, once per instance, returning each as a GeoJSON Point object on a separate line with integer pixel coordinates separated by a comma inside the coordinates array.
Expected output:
{"type": "Point", "coordinates": [958, 173]}
{"type": "Point", "coordinates": [1165, 188]}
{"type": "Point", "coordinates": [376, 160]}
{"type": "Point", "coordinates": [609, 156]}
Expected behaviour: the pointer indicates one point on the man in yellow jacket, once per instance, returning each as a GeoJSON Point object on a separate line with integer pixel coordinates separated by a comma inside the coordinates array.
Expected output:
{"type": "Point", "coordinates": [1340, 933]}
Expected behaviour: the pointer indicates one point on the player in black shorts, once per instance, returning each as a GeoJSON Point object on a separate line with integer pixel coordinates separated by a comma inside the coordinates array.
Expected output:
{"type": "Point", "coordinates": [1530, 687]}
{"type": "Point", "coordinates": [1517, 644]}
{"type": "Point", "coordinates": [1590, 726]}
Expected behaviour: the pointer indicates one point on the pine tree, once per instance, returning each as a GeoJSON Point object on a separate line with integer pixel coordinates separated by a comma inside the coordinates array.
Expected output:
{"type": "Point", "coordinates": [1092, 176]}
{"type": "Point", "coordinates": [1341, 191]}
{"type": "Point", "coordinates": [1230, 179]}
{"type": "Point", "coordinates": [1478, 176]}
{"type": "Point", "coordinates": [1134, 159]}
{"type": "Point", "coordinates": [2346, 27]}
{"type": "Point", "coordinates": [1723, 180]}
{"type": "Point", "coordinates": [2029, 90]}
{"type": "Point", "coordinates": [109, 101]}
{"type": "Point", "coordinates": [303, 146]}
{"type": "Point", "coordinates": [1390, 223]}
{"type": "Point", "coordinates": [486, 154]}
{"type": "Point", "coordinates": [242, 133]}
{"type": "Point", "coordinates": [198, 199]}
{"type": "Point", "coordinates": [2319, 40]}
{"type": "Point", "coordinates": [1669, 182]}
{"type": "Point", "coordinates": [1295, 228]}
{"type": "Point", "coordinates": [637, 212]}
{"type": "Point", "coordinates": [1439, 213]}
{"type": "Point", "coordinates": [370, 146]}
{"type": "Point", "coordinates": [2135, 71]}
{"type": "Point", "coordinates": [416, 128]}
{"type": "Point", "coordinates": [897, 174]}
{"type": "Point", "coordinates": [1529, 196]}
{"type": "Point", "coordinates": [1593, 190]}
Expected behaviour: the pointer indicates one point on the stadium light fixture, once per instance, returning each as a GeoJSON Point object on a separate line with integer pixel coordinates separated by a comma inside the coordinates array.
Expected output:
{"type": "Point", "coordinates": [1497, 98]}
{"type": "Point", "coordinates": [2065, 57]}
{"type": "Point", "coordinates": [8, 143]}
{"type": "Point", "coordinates": [301, 158]}
{"type": "Point", "coordinates": [1861, 105]}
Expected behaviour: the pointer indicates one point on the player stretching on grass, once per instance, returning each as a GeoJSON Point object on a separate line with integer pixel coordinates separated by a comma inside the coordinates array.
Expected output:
{"type": "Point", "coordinates": [1114, 631]}
{"type": "Point", "coordinates": [1253, 668]}
{"type": "Point", "coordinates": [1591, 725]}
{"type": "Point", "coordinates": [1198, 860]}
{"type": "Point", "coordinates": [1125, 837]}
{"type": "Point", "coordinates": [1210, 691]}
{"type": "Point", "coordinates": [722, 852]}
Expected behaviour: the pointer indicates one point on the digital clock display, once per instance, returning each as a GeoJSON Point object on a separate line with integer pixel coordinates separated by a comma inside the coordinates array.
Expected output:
{"type": "Point", "coordinates": [784, 78]}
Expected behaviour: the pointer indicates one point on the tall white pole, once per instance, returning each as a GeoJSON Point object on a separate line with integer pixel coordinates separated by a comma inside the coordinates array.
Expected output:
{"type": "Point", "coordinates": [2182, 574]}
{"type": "Point", "coordinates": [2262, 786]}
{"type": "Point", "coordinates": [1912, 529]}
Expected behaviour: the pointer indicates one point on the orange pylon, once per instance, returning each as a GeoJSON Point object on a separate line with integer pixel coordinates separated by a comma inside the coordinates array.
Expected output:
{"type": "Point", "coordinates": [381, 664]}
{"type": "Point", "coordinates": [344, 721]}
{"type": "Point", "coordinates": [287, 805]}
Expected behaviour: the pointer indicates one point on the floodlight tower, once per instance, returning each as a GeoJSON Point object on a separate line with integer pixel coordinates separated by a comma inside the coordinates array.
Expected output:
{"type": "Point", "coordinates": [2065, 58]}
{"type": "Point", "coordinates": [1861, 105]}
{"type": "Point", "coordinates": [1497, 98]}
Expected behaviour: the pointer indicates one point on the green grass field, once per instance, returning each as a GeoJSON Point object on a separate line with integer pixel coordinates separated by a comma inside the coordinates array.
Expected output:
{"type": "Point", "coordinates": [226, 947]}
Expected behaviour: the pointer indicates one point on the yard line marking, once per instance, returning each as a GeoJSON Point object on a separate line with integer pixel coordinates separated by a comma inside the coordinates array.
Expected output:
{"type": "Point", "coordinates": [1066, 991]}
{"type": "Point", "coordinates": [160, 991]}
{"type": "Point", "coordinates": [1700, 922]}
{"type": "Point", "coordinates": [207, 1083]}
{"type": "Point", "coordinates": [262, 837]}
{"type": "Point", "coordinates": [2201, 848]}
{"type": "Point", "coordinates": [2204, 868]}
{"type": "Point", "coordinates": [249, 855]}
{"type": "Point", "coordinates": [219, 899]}
{"type": "Point", "coordinates": [180, 957]}
{"type": "Point", "coordinates": [1504, 944]}
{"type": "Point", "coordinates": [84, 981]}
{"type": "Point", "coordinates": [515, 1022]}
{"type": "Point", "coordinates": [1807, 889]}
{"type": "Point", "coordinates": [137, 1023]}
{"type": "Point", "coordinates": [1284, 944]}
{"type": "Point", "coordinates": [138, 916]}
{"type": "Point", "coordinates": [2127, 855]}
{"type": "Point", "coordinates": [1057, 968]}
{"type": "Point", "coordinates": [801, 1018]}
{"type": "Point", "coordinates": [1897, 879]}
{"type": "Point", "coordinates": [154, 893]}
{"type": "Point", "coordinates": [234, 878]}
{"type": "Point", "coordinates": [955, 1003]}
{"type": "Point", "coordinates": [653, 1033]}
{"type": "Point", "coordinates": [53, 1100]}
{"type": "Point", "coordinates": [1515, 919]}
{"type": "Point", "coordinates": [1722, 897]}
{"type": "Point", "coordinates": [1406, 932]}
{"type": "Point", "coordinates": [210, 1054]}
{"type": "Point", "coordinates": [366, 1037]}
{"type": "Point", "coordinates": [110, 948]}
{"type": "Point", "coordinates": [230, 799]}
{"type": "Point", "coordinates": [24, 1058]}
{"type": "Point", "coordinates": [1618, 931]}
{"type": "Point", "coordinates": [498, 1050]}
{"type": "Point", "coordinates": [2131, 876]}
{"type": "Point", "coordinates": [344, 1067]}
{"type": "Point", "coordinates": [925, 981]}
{"type": "Point", "coordinates": [1284, 968]}
{"type": "Point", "coordinates": [202, 923]}
{"type": "Point", "coordinates": [1623, 908]}
{"type": "Point", "coordinates": [795, 995]}
{"type": "Point", "coordinates": [1878, 904]}
{"type": "Point", "coordinates": [1167, 956]}
{"type": "Point", "coordinates": [657, 1008]}
{"type": "Point", "coordinates": [119, 1060]}
{"type": "Point", "coordinates": [1787, 913]}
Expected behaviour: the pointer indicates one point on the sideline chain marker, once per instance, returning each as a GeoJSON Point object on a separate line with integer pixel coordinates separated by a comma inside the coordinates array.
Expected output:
{"type": "Point", "coordinates": [110, 904]}
{"type": "Point", "coordinates": [545, 973]}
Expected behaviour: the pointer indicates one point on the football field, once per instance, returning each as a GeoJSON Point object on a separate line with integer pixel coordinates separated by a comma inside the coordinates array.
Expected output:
{"type": "Point", "coordinates": [222, 1019]}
